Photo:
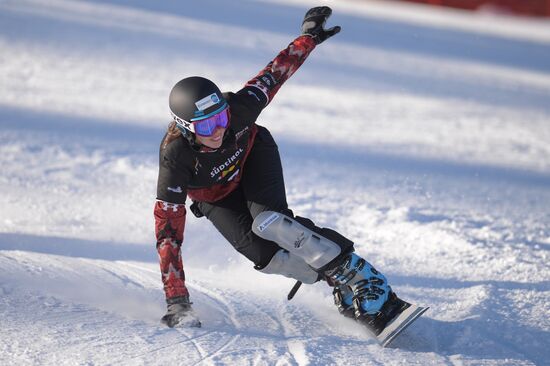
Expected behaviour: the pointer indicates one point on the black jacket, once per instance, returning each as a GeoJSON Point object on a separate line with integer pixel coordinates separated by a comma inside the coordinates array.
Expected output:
{"type": "Point", "coordinates": [204, 174]}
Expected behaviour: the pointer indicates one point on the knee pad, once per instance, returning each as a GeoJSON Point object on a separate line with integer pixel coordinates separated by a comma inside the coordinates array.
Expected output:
{"type": "Point", "coordinates": [344, 243]}
{"type": "Point", "coordinates": [305, 242]}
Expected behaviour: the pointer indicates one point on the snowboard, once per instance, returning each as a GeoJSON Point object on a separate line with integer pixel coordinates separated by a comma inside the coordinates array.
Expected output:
{"type": "Point", "coordinates": [399, 324]}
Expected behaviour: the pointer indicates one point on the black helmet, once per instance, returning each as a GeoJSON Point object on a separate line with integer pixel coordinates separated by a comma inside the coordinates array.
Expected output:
{"type": "Point", "coordinates": [195, 98]}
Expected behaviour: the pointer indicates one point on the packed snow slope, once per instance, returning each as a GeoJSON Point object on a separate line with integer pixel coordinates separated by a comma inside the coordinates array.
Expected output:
{"type": "Point", "coordinates": [422, 135]}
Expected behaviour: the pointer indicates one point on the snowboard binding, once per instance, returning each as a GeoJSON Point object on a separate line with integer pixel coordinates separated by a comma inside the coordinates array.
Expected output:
{"type": "Point", "coordinates": [362, 293]}
{"type": "Point", "coordinates": [343, 299]}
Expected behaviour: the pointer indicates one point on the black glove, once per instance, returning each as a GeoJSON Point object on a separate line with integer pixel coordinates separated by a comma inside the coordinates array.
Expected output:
{"type": "Point", "coordinates": [314, 23]}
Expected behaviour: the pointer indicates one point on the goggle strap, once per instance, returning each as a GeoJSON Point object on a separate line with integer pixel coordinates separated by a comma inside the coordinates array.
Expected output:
{"type": "Point", "coordinates": [183, 123]}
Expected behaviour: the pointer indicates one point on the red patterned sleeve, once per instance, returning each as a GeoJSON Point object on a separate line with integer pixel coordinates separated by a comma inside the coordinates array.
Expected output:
{"type": "Point", "coordinates": [273, 76]}
{"type": "Point", "coordinates": [169, 226]}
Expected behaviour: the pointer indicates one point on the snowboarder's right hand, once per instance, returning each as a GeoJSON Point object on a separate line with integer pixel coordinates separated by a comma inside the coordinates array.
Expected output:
{"type": "Point", "coordinates": [314, 23]}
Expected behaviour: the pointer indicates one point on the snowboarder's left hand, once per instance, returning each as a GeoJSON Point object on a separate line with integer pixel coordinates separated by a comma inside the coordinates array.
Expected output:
{"type": "Point", "coordinates": [314, 23]}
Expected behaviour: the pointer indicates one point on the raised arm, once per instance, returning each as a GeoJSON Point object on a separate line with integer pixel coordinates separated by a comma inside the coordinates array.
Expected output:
{"type": "Point", "coordinates": [266, 84]}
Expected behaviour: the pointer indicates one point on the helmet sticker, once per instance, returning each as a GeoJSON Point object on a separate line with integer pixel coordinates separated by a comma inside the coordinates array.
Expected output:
{"type": "Point", "coordinates": [207, 102]}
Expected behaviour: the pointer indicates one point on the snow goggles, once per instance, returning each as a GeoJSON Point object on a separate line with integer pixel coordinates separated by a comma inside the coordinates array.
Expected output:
{"type": "Point", "coordinates": [207, 126]}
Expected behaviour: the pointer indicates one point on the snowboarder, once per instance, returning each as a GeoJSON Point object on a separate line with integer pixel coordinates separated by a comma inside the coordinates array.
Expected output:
{"type": "Point", "coordinates": [215, 154]}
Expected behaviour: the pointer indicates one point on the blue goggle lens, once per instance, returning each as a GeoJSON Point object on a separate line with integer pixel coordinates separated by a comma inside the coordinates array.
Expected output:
{"type": "Point", "coordinates": [207, 126]}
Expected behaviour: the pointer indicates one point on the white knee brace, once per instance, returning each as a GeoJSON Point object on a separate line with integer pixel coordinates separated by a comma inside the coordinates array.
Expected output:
{"type": "Point", "coordinates": [314, 249]}
{"type": "Point", "coordinates": [291, 266]}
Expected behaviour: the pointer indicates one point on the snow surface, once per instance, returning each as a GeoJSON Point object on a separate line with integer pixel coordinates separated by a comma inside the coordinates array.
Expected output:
{"type": "Point", "coordinates": [423, 135]}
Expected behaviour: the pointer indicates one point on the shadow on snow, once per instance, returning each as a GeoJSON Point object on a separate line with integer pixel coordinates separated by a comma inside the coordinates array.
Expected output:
{"type": "Point", "coordinates": [78, 248]}
{"type": "Point", "coordinates": [368, 32]}
{"type": "Point", "coordinates": [134, 139]}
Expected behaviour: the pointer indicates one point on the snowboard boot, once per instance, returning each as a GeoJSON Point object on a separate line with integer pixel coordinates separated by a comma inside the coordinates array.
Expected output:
{"type": "Point", "coordinates": [374, 303]}
{"type": "Point", "coordinates": [180, 313]}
